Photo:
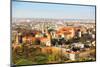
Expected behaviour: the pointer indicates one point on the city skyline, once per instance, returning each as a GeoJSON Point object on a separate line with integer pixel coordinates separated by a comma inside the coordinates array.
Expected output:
{"type": "Point", "coordinates": [55, 11]}
{"type": "Point", "coordinates": [48, 33]}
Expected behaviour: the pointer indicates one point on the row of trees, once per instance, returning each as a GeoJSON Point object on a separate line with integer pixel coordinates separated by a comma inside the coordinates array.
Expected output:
{"type": "Point", "coordinates": [28, 54]}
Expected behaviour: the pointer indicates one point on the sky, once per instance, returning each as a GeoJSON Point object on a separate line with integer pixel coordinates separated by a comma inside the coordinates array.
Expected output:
{"type": "Point", "coordinates": [55, 11]}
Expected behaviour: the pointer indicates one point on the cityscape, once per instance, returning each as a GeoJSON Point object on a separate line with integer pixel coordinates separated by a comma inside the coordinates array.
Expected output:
{"type": "Point", "coordinates": [53, 40]}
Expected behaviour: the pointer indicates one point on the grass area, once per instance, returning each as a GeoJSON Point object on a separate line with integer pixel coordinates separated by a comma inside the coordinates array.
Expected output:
{"type": "Point", "coordinates": [24, 62]}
